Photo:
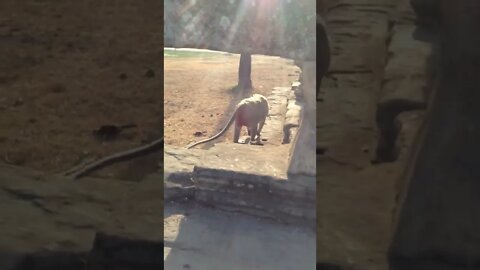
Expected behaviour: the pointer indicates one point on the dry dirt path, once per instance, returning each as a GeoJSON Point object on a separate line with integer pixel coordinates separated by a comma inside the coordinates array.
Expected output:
{"type": "Point", "coordinates": [68, 68]}
{"type": "Point", "coordinates": [198, 91]}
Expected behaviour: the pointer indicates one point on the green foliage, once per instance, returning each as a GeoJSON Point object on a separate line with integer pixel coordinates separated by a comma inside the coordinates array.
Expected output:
{"type": "Point", "coordinates": [190, 54]}
{"type": "Point", "coordinates": [275, 27]}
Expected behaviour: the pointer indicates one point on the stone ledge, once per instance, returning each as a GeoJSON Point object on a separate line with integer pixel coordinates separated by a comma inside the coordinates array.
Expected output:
{"type": "Point", "coordinates": [405, 86]}
{"type": "Point", "coordinates": [63, 216]}
{"type": "Point", "coordinates": [175, 192]}
{"type": "Point", "coordinates": [292, 117]}
{"type": "Point", "coordinates": [406, 79]}
{"type": "Point", "coordinates": [257, 194]}
{"type": "Point", "coordinates": [302, 160]}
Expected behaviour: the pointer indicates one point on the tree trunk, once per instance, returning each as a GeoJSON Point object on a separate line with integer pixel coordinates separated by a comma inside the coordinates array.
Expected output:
{"type": "Point", "coordinates": [244, 71]}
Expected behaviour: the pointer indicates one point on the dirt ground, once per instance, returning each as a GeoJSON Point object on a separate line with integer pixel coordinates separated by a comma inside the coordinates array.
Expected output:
{"type": "Point", "coordinates": [63, 76]}
{"type": "Point", "coordinates": [200, 95]}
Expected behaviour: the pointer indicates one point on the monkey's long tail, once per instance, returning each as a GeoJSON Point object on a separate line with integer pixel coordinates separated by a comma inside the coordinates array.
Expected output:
{"type": "Point", "coordinates": [217, 135]}
{"type": "Point", "coordinates": [122, 156]}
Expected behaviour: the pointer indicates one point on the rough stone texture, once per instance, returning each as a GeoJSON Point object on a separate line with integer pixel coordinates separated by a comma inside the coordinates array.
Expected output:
{"type": "Point", "coordinates": [41, 213]}
{"type": "Point", "coordinates": [242, 158]}
{"type": "Point", "coordinates": [283, 28]}
{"type": "Point", "coordinates": [266, 196]}
{"type": "Point", "coordinates": [302, 153]}
{"type": "Point", "coordinates": [353, 197]}
{"type": "Point", "coordinates": [278, 100]}
{"type": "Point", "coordinates": [203, 238]}
{"type": "Point", "coordinates": [179, 164]}
{"type": "Point", "coordinates": [403, 78]}
{"type": "Point", "coordinates": [406, 84]}
{"type": "Point", "coordinates": [409, 124]}
{"type": "Point", "coordinates": [439, 220]}
{"type": "Point", "coordinates": [410, 127]}
{"type": "Point", "coordinates": [375, 58]}
{"type": "Point", "coordinates": [176, 192]}
{"type": "Point", "coordinates": [292, 118]}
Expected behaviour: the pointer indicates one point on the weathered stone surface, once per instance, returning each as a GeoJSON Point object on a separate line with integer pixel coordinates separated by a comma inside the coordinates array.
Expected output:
{"type": "Point", "coordinates": [179, 164]}
{"type": "Point", "coordinates": [281, 199]}
{"type": "Point", "coordinates": [410, 126]}
{"type": "Point", "coordinates": [354, 197]}
{"type": "Point", "coordinates": [278, 103]}
{"type": "Point", "coordinates": [405, 86]}
{"type": "Point", "coordinates": [439, 220]}
{"type": "Point", "coordinates": [292, 119]}
{"type": "Point", "coordinates": [244, 158]}
{"type": "Point", "coordinates": [205, 238]}
{"type": "Point", "coordinates": [302, 154]}
{"type": "Point", "coordinates": [360, 27]}
{"type": "Point", "coordinates": [406, 79]}
{"type": "Point", "coordinates": [258, 182]}
{"type": "Point", "coordinates": [176, 192]}
{"type": "Point", "coordinates": [43, 214]}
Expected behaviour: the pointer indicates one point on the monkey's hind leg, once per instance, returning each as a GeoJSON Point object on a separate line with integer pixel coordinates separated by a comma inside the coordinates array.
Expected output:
{"type": "Point", "coordinates": [236, 134]}
{"type": "Point", "coordinates": [253, 134]}
{"type": "Point", "coordinates": [260, 127]}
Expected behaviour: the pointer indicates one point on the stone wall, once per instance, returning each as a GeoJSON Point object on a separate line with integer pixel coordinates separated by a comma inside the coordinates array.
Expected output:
{"type": "Point", "coordinates": [266, 196]}
{"type": "Point", "coordinates": [302, 156]}
{"type": "Point", "coordinates": [438, 227]}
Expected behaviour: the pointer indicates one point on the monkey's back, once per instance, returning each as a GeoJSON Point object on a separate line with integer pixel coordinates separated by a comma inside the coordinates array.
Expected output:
{"type": "Point", "coordinates": [252, 110]}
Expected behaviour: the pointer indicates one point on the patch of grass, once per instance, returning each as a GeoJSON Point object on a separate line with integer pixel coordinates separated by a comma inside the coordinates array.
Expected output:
{"type": "Point", "coordinates": [190, 54]}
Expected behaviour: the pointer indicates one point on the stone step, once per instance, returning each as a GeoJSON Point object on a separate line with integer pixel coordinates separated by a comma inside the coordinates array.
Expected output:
{"type": "Point", "coordinates": [260, 195]}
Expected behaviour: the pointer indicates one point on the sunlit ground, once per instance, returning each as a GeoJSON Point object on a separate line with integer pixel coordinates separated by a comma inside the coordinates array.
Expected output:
{"type": "Point", "coordinates": [198, 89]}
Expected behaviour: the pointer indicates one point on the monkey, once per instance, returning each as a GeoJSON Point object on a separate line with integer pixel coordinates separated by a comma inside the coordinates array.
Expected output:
{"type": "Point", "coordinates": [82, 170]}
{"type": "Point", "coordinates": [250, 112]}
